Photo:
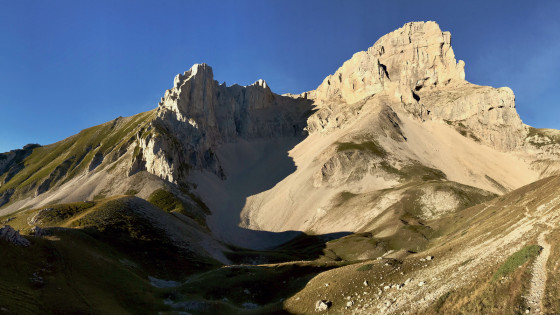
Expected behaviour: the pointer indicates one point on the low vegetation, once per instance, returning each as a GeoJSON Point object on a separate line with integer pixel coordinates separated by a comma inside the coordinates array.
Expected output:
{"type": "Point", "coordinates": [56, 214]}
{"type": "Point", "coordinates": [463, 130]}
{"type": "Point", "coordinates": [540, 137]}
{"type": "Point", "coordinates": [165, 200]}
{"type": "Point", "coordinates": [370, 146]}
{"type": "Point", "coordinates": [248, 296]}
{"type": "Point", "coordinates": [517, 259]}
{"type": "Point", "coordinates": [169, 202]}
{"type": "Point", "coordinates": [73, 273]}
{"type": "Point", "coordinates": [365, 267]}
{"type": "Point", "coordinates": [49, 165]}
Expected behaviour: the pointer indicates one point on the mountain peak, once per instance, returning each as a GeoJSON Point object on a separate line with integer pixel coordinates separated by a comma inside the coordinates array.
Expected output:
{"type": "Point", "coordinates": [201, 70]}
{"type": "Point", "coordinates": [418, 54]}
{"type": "Point", "coordinates": [260, 83]}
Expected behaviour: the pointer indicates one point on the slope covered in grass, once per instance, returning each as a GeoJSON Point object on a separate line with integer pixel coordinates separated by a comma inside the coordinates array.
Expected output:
{"type": "Point", "coordinates": [72, 272]}
{"type": "Point", "coordinates": [149, 235]}
{"type": "Point", "coordinates": [56, 163]}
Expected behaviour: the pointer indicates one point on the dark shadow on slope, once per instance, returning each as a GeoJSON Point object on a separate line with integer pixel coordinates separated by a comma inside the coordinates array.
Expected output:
{"type": "Point", "coordinates": [300, 247]}
{"type": "Point", "coordinates": [251, 167]}
{"type": "Point", "coordinates": [70, 272]}
{"type": "Point", "coordinates": [245, 289]}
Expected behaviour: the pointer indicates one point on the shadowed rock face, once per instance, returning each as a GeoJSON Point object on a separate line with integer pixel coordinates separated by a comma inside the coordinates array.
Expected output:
{"type": "Point", "coordinates": [400, 106]}
{"type": "Point", "coordinates": [8, 234]}
{"type": "Point", "coordinates": [225, 113]}
{"type": "Point", "coordinates": [198, 114]}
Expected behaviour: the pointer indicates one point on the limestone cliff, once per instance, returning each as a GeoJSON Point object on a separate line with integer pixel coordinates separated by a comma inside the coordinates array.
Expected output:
{"type": "Point", "coordinates": [416, 65]}
{"type": "Point", "coordinates": [398, 114]}
{"type": "Point", "coordinates": [417, 55]}
{"type": "Point", "coordinates": [198, 114]}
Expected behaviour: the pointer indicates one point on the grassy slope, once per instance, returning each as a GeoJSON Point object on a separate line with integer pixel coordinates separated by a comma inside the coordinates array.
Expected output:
{"type": "Point", "coordinates": [551, 301]}
{"type": "Point", "coordinates": [169, 202]}
{"type": "Point", "coordinates": [96, 259]}
{"type": "Point", "coordinates": [65, 159]}
{"type": "Point", "coordinates": [246, 289]}
{"type": "Point", "coordinates": [497, 288]}
{"type": "Point", "coordinates": [411, 231]}
{"type": "Point", "coordinates": [115, 222]}
{"type": "Point", "coordinates": [98, 245]}
{"type": "Point", "coordinates": [80, 275]}
{"type": "Point", "coordinates": [552, 136]}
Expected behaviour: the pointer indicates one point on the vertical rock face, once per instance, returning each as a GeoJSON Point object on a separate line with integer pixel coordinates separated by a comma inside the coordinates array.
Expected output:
{"type": "Point", "coordinates": [225, 113]}
{"type": "Point", "coordinates": [197, 114]}
{"type": "Point", "coordinates": [416, 65]}
{"type": "Point", "coordinates": [488, 113]}
{"type": "Point", "coordinates": [418, 54]}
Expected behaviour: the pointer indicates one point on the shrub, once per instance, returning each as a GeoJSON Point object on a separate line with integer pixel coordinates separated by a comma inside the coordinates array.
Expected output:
{"type": "Point", "coordinates": [365, 267]}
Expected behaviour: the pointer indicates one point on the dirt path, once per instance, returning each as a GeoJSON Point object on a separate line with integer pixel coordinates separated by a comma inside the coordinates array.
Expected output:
{"type": "Point", "coordinates": [538, 282]}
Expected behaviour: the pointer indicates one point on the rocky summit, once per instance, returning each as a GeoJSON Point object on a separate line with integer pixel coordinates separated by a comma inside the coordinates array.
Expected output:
{"type": "Point", "coordinates": [395, 187]}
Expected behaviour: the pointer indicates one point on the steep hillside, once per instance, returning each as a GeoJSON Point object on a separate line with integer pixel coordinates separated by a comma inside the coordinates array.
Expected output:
{"type": "Point", "coordinates": [387, 120]}
{"type": "Point", "coordinates": [80, 167]}
{"type": "Point", "coordinates": [394, 187]}
{"type": "Point", "coordinates": [495, 258]}
{"type": "Point", "coordinates": [79, 250]}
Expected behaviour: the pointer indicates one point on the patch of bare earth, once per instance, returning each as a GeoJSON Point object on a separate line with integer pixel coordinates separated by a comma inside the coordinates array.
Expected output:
{"type": "Point", "coordinates": [539, 276]}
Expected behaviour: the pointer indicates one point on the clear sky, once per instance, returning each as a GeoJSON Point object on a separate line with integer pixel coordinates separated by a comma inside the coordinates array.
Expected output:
{"type": "Point", "coordinates": [69, 65]}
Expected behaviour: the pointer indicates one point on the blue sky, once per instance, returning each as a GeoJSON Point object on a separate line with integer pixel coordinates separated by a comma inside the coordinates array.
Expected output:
{"type": "Point", "coordinates": [69, 65]}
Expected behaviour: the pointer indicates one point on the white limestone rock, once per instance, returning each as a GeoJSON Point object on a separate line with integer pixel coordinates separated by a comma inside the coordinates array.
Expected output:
{"type": "Point", "coordinates": [417, 54]}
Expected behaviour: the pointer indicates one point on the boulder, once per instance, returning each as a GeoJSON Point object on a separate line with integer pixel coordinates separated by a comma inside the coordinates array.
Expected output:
{"type": "Point", "coordinates": [322, 305]}
{"type": "Point", "coordinates": [38, 232]}
{"type": "Point", "coordinates": [198, 114]}
{"type": "Point", "coordinates": [8, 234]}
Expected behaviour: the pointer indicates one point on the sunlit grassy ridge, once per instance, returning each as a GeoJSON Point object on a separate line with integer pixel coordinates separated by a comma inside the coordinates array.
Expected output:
{"type": "Point", "coordinates": [47, 165]}
{"type": "Point", "coordinates": [165, 200]}
{"type": "Point", "coordinates": [124, 222]}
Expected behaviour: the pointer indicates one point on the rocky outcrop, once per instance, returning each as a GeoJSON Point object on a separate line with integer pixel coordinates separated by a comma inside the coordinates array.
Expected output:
{"type": "Point", "coordinates": [5, 196]}
{"type": "Point", "coordinates": [544, 144]}
{"type": "Point", "coordinates": [488, 113]}
{"type": "Point", "coordinates": [198, 114]}
{"type": "Point", "coordinates": [39, 232]}
{"type": "Point", "coordinates": [417, 55]}
{"type": "Point", "coordinates": [8, 234]}
{"type": "Point", "coordinates": [416, 67]}
{"type": "Point", "coordinates": [225, 113]}
{"type": "Point", "coordinates": [322, 305]}
{"type": "Point", "coordinates": [11, 162]}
